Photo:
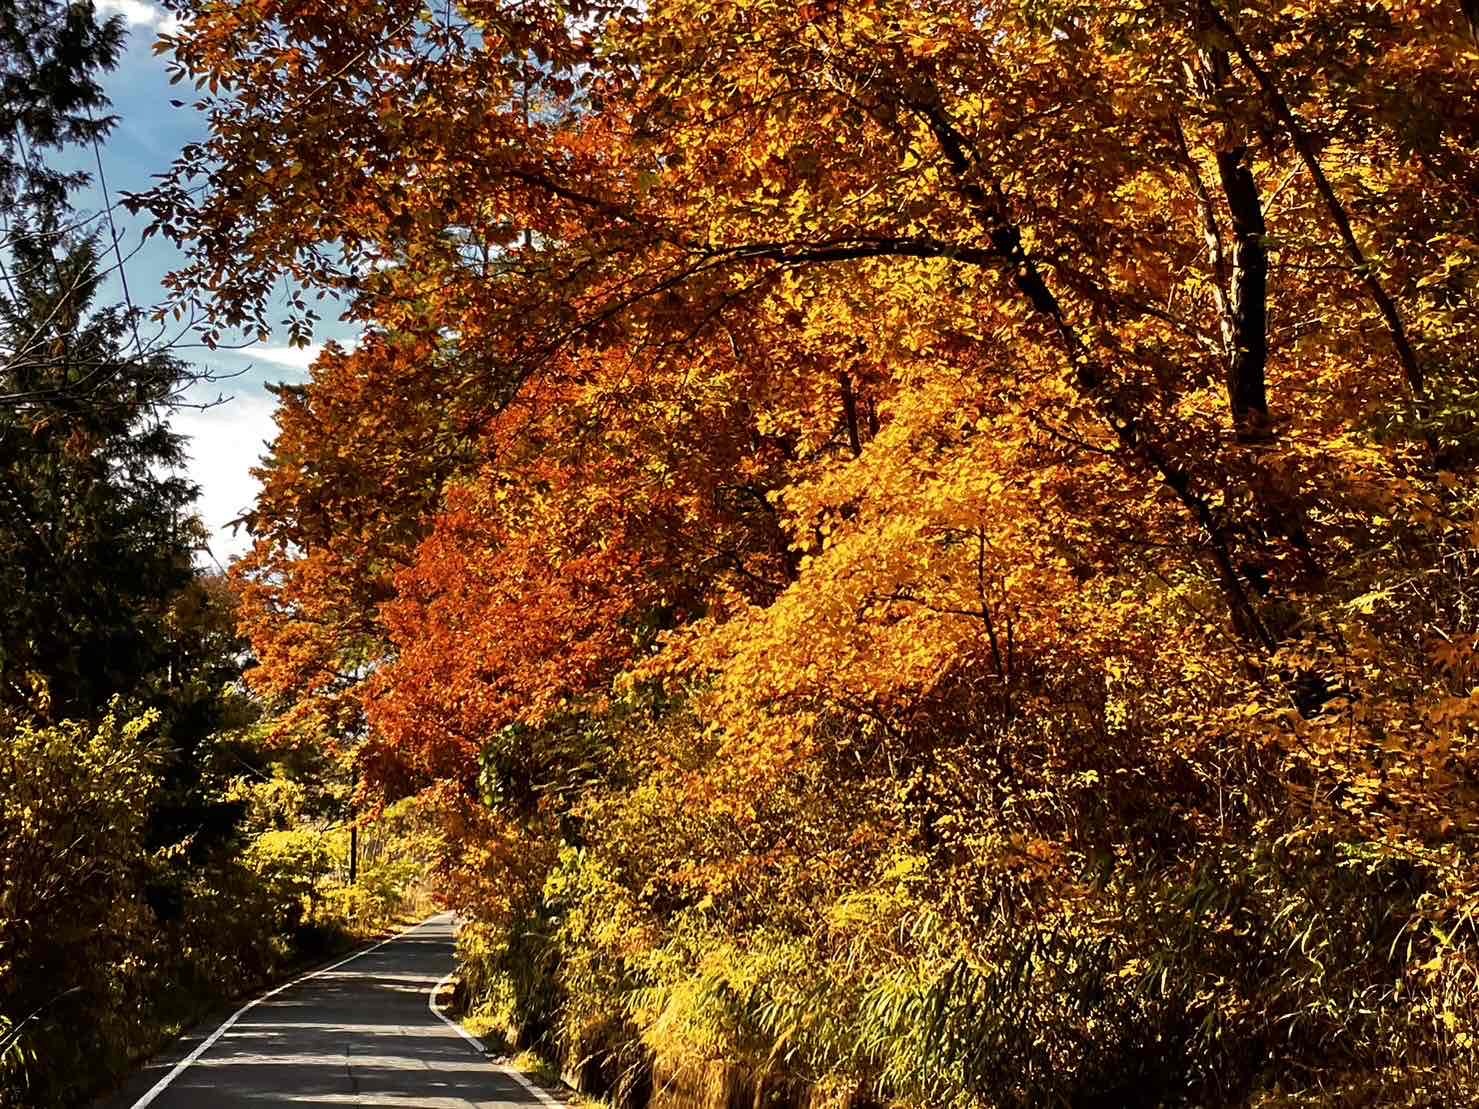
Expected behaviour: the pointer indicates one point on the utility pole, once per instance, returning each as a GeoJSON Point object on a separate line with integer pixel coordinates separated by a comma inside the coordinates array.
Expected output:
{"type": "Point", "coordinates": [353, 828]}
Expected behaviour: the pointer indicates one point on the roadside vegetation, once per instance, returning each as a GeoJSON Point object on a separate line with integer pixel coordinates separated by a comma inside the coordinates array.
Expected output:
{"type": "Point", "coordinates": [924, 553]}
{"type": "Point", "coordinates": [132, 909]}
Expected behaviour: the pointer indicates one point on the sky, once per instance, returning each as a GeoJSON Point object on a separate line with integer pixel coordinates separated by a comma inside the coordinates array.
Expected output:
{"type": "Point", "coordinates": [226, 440]}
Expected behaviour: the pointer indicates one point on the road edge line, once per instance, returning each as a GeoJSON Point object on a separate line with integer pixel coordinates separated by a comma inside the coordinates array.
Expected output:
{"type": "Point", "coordinates": [205, 1045]}
{"type": "Point", "coordinates": [541, 1095]}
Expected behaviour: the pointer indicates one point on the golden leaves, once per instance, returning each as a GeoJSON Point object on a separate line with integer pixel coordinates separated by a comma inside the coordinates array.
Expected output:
{"type": "Point", "coordinates": [774, 419]}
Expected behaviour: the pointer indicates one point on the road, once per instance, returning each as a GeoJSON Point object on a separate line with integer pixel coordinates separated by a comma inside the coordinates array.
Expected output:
{"type": "Point", "coordinates": [359, 1033]}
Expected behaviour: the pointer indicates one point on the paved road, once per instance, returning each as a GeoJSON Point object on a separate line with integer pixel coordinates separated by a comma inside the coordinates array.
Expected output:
{"type": "Point", "coordinates": [360, 1034]}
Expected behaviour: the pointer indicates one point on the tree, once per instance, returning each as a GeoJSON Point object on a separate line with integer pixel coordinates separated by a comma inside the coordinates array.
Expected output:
{"type": "Point", "coordinates": [51, 52]}
{"type": "Point", "coordinates": [96, 535]}
{"type": "Point", "coordinates": [1002, 470]}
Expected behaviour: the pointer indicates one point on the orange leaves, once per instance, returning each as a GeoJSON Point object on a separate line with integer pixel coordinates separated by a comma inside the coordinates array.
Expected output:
{"type": "Point", "coordinates": [358, 460]}
{"type": "Point", "coordinates": [598, 519]}
{"type": "Point", "coordinates": [613, 294]}
{"type": "Point", "coordinates": [822, 413]}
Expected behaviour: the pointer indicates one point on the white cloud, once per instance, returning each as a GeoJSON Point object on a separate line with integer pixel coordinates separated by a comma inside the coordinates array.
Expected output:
{"type": "Point", "coordinates": [140, 13]}
{"type": "Point", "coordinates": [225, 443]}
{"type": "Point", "coordinates": [297, 358]}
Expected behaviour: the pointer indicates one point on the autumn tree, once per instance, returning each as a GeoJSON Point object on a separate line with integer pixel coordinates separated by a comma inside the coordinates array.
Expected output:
{"type": "Point", "coordinates": [943, 520]}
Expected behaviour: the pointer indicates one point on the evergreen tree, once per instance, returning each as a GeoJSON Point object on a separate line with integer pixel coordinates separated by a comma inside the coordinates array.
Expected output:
{"type": "Point", "coordinates": [96, 535]}
{"type": "Point", "coordinates": [50, 56]}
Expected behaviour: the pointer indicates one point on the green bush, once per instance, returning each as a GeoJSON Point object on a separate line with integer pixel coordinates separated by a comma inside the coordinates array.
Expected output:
{"type": "Point", "coordinates": [109, 944]}
{"type": "Point", "coordinates": [73, 804]}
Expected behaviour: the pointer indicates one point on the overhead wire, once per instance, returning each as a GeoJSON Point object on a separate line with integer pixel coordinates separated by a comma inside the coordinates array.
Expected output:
{"type": "Point", "coordinates": [133, 315]}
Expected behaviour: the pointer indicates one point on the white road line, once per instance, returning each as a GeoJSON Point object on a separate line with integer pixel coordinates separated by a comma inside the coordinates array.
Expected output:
{"type": "Point", "coordinates": [431, 1003]}
{"type": "Point", "coordinates": [206, 1044]}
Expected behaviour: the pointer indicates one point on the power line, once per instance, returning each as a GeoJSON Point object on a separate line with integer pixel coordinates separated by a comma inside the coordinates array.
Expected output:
{"type": "Point", "coordinates": [133, 314]}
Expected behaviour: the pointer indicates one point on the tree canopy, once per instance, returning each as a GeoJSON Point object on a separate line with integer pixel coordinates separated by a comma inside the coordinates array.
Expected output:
{"type": "Point", "coordinates": [923, 546]}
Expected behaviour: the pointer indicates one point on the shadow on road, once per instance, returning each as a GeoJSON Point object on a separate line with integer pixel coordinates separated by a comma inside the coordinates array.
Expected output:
{"type": "Point", "coordinates": [361, 1034]}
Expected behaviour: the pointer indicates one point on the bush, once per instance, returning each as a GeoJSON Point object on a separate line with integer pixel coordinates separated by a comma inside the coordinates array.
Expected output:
{"type": "Point", "coordinates": [73, 920]}
{"type": "Point", "coordinates": [107, 943]}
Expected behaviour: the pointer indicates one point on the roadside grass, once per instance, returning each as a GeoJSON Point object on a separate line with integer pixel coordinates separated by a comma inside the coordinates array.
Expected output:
{"type": "Point", "coordinates": [539, 1069]}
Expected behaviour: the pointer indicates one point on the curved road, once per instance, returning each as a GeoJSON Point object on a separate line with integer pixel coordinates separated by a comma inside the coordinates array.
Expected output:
{"type": "Point", "coordinates": [361, 1032]}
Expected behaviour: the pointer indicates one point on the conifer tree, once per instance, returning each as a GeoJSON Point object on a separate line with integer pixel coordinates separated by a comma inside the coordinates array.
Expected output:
{"type": "Point", "coordinates": [95, 527]}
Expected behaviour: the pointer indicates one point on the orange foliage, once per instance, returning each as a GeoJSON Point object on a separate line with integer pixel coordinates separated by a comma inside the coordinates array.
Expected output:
{"type": "Point", "coordinates": [1032, 438]}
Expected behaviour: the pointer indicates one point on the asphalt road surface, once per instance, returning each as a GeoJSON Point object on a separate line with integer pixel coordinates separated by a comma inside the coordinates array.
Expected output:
{"type": "Point", "coordinates": [360, 1033]}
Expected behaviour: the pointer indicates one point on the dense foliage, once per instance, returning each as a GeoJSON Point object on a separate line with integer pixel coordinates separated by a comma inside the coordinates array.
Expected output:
{"type": "Point", "coordinates": [51, 55]}
{"type": "Point", "coordinates": [112, 937]}
{"type": "Point", "coordinates": [923, 549]}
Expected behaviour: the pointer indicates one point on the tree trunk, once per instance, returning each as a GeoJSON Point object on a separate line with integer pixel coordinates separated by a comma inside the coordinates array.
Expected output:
{"type": "Point", "coordinates": [850, 414]}
{"type": "Point", "coordinates": [1243, 299]}
{"type": "Point", "coordinates": [1406, 357]}
{"type": "Point", "coordinates": [1247, 391]}
{"type": "Point", "coordinates": [1135, 431]}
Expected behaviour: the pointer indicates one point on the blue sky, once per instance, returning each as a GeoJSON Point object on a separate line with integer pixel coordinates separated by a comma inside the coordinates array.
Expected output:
{"type": "Point", "coordinates": [227, 440]}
